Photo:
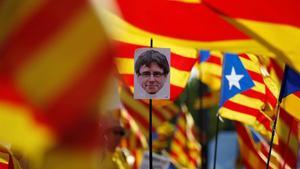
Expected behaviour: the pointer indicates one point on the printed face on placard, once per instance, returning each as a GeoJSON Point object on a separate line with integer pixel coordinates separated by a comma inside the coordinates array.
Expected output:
{"type": "Point", "coordinates": [152, 73]}
{"type": "Point", "coordinates": [151, 78]}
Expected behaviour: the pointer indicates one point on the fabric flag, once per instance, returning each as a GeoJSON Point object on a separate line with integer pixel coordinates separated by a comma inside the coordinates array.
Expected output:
{"type": "Point", "coordinates": [255, 150]}
{"type": "Point", "coordinates": [287, 125]}
{"type": "Point", "coordinates": [53, 54]}
{"type": "Point", "coordinates": [290, 92]}
{"type": "Point", "coordinates": [139, 111]}
{"type": "Point", "coordinates": [243, 93]}
{"type": "Point", "coordinates": [184, 148]}
{"type": "Point", "coordinates": [135, 26]}
{"type": "Point", "coordinates": [210, 68]}
{"type": "Point", "coordinates": [278, 31]}
{"type": "Point", "coordinates": [249, 149]}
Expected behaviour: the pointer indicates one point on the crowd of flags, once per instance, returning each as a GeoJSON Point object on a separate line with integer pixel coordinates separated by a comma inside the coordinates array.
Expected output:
{"type": "Point", "coordinates": [52, 79]}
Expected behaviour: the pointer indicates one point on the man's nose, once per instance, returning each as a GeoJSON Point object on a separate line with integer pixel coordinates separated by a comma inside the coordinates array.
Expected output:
{"type": "Point", "coordinates": [151, 78]}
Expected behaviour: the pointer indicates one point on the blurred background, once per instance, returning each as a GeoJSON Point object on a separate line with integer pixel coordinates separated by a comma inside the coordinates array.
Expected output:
{"type": "Point", "coordinates": [66, 84]}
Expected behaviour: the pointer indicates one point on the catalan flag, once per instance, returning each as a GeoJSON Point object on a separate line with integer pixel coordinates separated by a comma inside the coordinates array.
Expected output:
{"type": "Point", "coordinates": [278, 31]}
{"type": "Point", "coordinates": [184, 149]}
{"type": "Point", "coordinates": [134, 27]}
{"type": "Point", "coordinates": [210, 68]}
{"type": "Point", "coordinates": [255, 149]}
{"type": "Point", "coordinates": [52, 54]}
{"type": "Point", "coordinates": [249, 149]}
{"type": "Point", "coordinates": [290, 92]}
{"type": "Point", "coordinates": [243, 92]}
{"type": "Point", "coordinates": [139, 111]}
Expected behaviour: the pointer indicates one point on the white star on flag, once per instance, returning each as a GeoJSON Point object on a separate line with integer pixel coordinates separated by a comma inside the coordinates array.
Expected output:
{"type": "Point", "coordinates": [234, 79]}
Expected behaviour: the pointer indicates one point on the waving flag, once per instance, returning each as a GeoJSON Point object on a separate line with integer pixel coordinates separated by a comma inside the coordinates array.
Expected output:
{"type": "Point", "coordinates": [290, 91]}
{"type": "Point", "coordinates": [243, 93]}
{"type": "Point", "coordinates": [278, 31]}
{"type": "Point", "coordinates": [141, 20]}
{"type": "Point", "coordinates": [184, 149]}
{"type": "Point", "coordinates": [210, 68]}
{"type": "Point", "coordinates": [53, 54]}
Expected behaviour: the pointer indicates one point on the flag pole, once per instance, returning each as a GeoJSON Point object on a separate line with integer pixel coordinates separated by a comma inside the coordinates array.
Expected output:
{"type": "Point", "coordinates": [273, 132]}
{"type": "Point", "coordinates": [216, 141]}
{"type": "Point", "coordinates": [150, 124]}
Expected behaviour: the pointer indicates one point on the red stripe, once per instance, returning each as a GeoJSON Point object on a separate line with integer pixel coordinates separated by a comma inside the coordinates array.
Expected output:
{"type": "Point", "coordinates": [287, 12]}
{"type": "Point", "coordinates": [271, 99]}
{"type": "Point", "coordinates": [243, 55]}
{"type": "Point", "coordinates": [139, 118]}
{"type": "Point", "coordinates": [52, 17]}
{"type": "Point", "coordinates": [184, 149]}
{"type": "Point", "coordinates": [182, 63]}
{"type": "Point", "coordinates": [214, 59]}
{"type": "Point", "coordinates": [255, 76]}
{"type": "Point", "coordinates": [76, 100]}
{"type": "Point", "coordinates": [274, 65]}
{"type": "Point", "coordinates": [175, 91]}
{"type": "Point", "coordinates": [261, 118]}
{"type": "Point", "coordinates": [193, 22]}
{"type": "Point", "coordinates": [254, 94]}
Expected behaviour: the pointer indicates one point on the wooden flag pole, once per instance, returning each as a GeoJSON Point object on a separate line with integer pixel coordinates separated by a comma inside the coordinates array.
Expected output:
{"type": "Point", "coordinates": [216, 141]}
{"type": "Point", "coordinates": [150, 125]}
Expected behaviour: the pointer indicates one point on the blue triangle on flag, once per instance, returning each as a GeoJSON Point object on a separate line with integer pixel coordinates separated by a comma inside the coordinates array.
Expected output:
{"type": "Point", "coordinates": [235, 78]}
{"type": "Point", "coordinates": [290, 82]}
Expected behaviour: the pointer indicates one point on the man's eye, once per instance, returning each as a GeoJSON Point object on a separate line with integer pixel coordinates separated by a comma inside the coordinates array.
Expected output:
{"type": "Point", "coordinates": [157, 74]}
{"type": "Point", "coordinates": [146, 74]}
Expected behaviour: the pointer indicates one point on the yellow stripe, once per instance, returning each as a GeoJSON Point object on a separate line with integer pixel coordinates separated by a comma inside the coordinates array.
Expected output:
{"type": "Point", "coordinates": [247, 101]}
{"type": "Point", "coordinates": [181, 156]}
{"type": "Point", "coordinates": [125, 32]}
{"type": "Point", "coordinates": [210, 68]}
{"type": "Point", "coordinates": [291, 105]}
{"type": "Point", "coordinates": [283, 37]}
{"type": "Point", "coordinates": [62, 58]}
{"type": "Point", "coordinates": [259, 87]}
{"type": "Point", "coordinates": [179, 77]}
{"type": "Point", "coordinates": [251, 65]}
{"type": "Point", "coordinates": [125, 65]}
{"type": "Point", "coordinates": [19, 129]}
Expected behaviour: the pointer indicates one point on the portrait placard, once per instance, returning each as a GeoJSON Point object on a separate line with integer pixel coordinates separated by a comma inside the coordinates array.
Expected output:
{"type": "Point", "coordinates": [152, 73]}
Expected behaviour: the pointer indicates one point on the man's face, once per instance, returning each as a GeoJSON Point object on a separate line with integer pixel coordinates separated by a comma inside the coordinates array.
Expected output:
{"type": "Point", "coordinates": [151, 78]}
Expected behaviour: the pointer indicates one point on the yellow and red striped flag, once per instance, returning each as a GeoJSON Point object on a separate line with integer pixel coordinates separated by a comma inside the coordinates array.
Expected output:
{"type": "Point", "coordinates": [139, 111]}
{"type": "Point", "coordinates": [185, 149]}
{"type": "Point", "coordinates": [53, 54]}
{"type": "Point", "coordinates": [245, 93]}
{"type": "Point", "coordinates": [134, 26]}
{"type": "Point", "coordinates": [278, 31]}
